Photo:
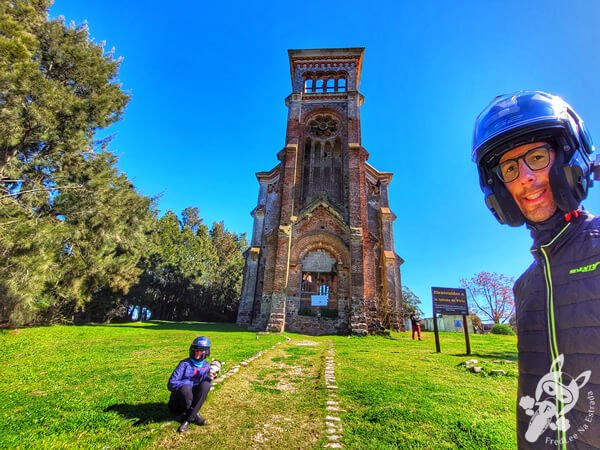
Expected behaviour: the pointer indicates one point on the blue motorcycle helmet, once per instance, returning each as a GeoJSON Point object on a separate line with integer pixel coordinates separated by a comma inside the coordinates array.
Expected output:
{"type": "Point", "coordinates": [201, 343]}
{"type": "Point", "coordinates": [525, 117]}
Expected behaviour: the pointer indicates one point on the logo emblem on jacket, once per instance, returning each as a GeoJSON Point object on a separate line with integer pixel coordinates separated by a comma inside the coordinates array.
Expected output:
{"type": "Point", "coordinates": [555, 395]}
{"type": "Point", "coordinates": [585, 269]}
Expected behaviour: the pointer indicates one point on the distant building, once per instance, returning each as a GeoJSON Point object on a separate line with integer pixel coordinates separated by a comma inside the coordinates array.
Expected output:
{"type": "Point", "coordinates": [448, 323]}
{"type": "Point", "coordinates": [322, 256]}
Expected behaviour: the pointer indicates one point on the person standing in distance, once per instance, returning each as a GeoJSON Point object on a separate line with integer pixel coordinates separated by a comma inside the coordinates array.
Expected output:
{"type": "Point", "coordinates": [415, 322]}
{"type": "Point", "coordinates": [533, 154]}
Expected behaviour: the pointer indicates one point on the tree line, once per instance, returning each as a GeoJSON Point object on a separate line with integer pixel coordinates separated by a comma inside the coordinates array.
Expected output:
{"type": "Point", "coordinates": [77, 242]}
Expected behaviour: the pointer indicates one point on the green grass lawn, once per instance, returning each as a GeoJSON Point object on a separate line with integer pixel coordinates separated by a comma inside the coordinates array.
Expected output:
{"type": "Point", "coordinates": [104, 386]}
{"type": "Point", "coordinates": [400, 393]}
{"type": "Point", "coordinates": [100, 386]}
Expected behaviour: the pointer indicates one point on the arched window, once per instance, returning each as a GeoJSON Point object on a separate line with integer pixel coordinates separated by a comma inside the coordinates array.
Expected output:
{"type": "Point", "coordinates": [330, 85]}
{"type": "Point", "coordinates": [319, 85]}
{"type": "Point", "coordinates": [308, 85]}
{"type": "Point", "coordinates": [319, 279]}
{"type": "Point", "coordinates": [341, 84]}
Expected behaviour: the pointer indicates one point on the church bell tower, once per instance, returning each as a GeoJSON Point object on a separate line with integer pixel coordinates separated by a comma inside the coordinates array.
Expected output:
{"type": "Point", "coordinates": [322, 256]}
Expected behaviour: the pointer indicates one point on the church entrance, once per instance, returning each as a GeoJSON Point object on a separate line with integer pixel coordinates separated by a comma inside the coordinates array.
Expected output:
{"type": "Point", "coordinates": [318, 289]}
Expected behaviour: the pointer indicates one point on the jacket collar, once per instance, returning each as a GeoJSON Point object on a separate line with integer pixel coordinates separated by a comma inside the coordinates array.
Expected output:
{"type": "Point", "coordinates": [554, 230]}
{"type": "Point", "coordinates": [544, 232]}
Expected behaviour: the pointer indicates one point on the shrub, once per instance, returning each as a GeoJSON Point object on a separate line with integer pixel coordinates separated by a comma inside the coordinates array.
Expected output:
{"type": "Point", "coordinates": [503, 328]}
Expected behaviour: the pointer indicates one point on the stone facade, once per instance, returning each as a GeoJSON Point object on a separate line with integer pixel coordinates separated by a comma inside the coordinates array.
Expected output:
{"type": "Point", "coordinates": [322, 257]}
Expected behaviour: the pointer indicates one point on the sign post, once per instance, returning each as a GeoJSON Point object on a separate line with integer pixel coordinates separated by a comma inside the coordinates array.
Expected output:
{"type": "Point", "coordinates": [467, 340]}
{"type": "Point", "coordinates": [435, 330]}
{"type": "Point", "coordinates": [450, 301]}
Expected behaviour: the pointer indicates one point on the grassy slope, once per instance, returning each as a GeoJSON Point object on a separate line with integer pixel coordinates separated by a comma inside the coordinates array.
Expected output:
{"type": "Point", "coordinates": [399, 393]}
{"type": "Point", "coordinates": [275, 403]}
{"type": "Point", "coordinates": [100, 386]}
{"type": "Point", "coordinates": [105, 386]}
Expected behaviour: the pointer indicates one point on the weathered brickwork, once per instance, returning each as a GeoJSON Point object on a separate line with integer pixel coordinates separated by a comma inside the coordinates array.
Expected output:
{"type": "Point", "coordinates": [322, 256]}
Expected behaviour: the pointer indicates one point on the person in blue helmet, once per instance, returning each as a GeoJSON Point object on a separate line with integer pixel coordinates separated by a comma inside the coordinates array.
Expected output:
{"type": "Point", "coordinates": [189, 384]}
{"type": "Point", "coordinates": [533, 154]}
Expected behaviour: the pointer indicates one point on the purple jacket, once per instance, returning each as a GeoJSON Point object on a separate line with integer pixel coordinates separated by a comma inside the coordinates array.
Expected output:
{"type": "Point", "coordinates": [187, 373]}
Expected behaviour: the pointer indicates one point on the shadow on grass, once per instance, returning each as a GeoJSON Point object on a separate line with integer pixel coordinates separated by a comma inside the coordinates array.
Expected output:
{"type": "Point", "coordinates": [144, 412]}
{"type": "Point", "coordinates": [512, 356]}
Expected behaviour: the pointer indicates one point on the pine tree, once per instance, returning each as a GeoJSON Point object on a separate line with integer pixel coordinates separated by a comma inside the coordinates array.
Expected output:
{"type": "Point", "coordinates": [226, 280]}
{"type": "Point", "coordinates": [71, 225]}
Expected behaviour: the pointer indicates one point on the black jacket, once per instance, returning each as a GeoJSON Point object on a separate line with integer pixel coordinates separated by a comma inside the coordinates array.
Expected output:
{"type": "Point", "coordinates": [558, 313]}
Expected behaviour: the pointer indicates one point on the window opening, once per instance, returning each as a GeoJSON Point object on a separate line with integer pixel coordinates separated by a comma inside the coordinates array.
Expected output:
{"type": "Point", "coordinates": [330, 85]}
{"type": "Point", "coordinates": [319, 87]}
{"type": "Point", "coordinates": [316, 288]}
{"type": "Point", "coordinates": [308, 85]}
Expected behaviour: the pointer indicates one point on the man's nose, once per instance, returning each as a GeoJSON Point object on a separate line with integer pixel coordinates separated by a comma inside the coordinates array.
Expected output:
{"type": "Point", "coordinates": [525, 173]}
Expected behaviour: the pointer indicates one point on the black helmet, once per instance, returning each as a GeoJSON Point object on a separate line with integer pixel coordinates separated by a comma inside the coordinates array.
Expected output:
{"type": "Point", "coordinates": [524, 117]}
{"type": "Point", "coordinates": [200, 343]}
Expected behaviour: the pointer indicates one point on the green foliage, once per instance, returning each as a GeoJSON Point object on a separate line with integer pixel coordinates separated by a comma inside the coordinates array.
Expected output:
{"type": "Point", "coordinates": [190, 272]}
{"type": "Point", "coordinates": [503, 328]}
{"type": "Point", "coordinates": [410, 303]}
{"type": "Point", "coordinates": [75, 237]}
{"type": "Point", "coordinates": [72, 227]}
{"type": "Point", "coordinates": [490, 295]}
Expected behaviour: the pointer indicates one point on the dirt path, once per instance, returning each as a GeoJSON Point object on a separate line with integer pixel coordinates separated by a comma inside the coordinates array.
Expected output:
{"type": "Point", "coordinates": [277, 401]}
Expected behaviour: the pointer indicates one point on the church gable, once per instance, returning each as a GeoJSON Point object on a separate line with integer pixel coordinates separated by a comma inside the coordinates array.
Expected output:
{"type": "Point", "coordinates": [321, 217]}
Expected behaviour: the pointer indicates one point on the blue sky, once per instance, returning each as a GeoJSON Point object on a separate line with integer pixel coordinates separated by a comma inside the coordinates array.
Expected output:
{"type": "Point", "coordinates": [208, 84]}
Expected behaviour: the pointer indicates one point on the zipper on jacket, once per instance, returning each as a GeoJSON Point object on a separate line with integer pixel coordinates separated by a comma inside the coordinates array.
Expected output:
{"type": "Point", "coordinates": [552, 337]}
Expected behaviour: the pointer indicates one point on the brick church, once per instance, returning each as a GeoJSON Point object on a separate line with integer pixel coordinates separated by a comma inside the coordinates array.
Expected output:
{"type": "Point", "coordinates": [322, 257]}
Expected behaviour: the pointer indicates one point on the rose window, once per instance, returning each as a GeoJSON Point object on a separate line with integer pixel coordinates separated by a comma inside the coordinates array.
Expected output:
{"type": "Point", "coordinates": [323, 126]}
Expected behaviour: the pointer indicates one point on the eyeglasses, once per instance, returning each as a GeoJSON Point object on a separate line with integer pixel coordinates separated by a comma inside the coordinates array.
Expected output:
{"type": "Point", "coordinates": [537, 158]}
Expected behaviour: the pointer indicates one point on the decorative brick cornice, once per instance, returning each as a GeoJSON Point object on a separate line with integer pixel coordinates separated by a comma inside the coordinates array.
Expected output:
{"type": "Point", "coordinates": [327, 58]}
{"type": "Point", "coordinates": [254, 252]}
{"type": "Point", "coordinates": [288, 149]}
{"type": "Point", "coordinates": [271, 174]}
{"type": "Point", "coordinates": [326, 96]}
{"type": "Point", "coordinates": [387, 214]}
{"type": "Point", "coordinates": [389, 255]}
{"type": "Point", "coordinates": [377, 175]}
{"type": "Point", "coordinates": [258, 211]}
{"type": "Point", "coordinates": [285, 229]}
